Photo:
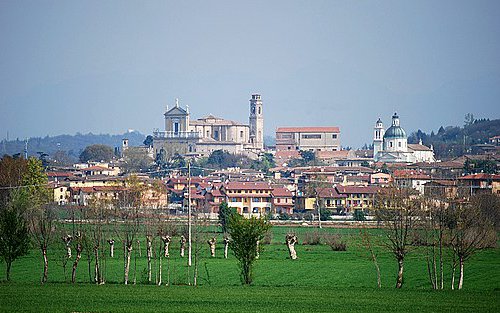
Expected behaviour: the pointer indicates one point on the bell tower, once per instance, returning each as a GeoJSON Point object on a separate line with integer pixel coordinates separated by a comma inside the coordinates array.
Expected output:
{"type": "Point", "coordinates": [256, 122]}
{"type": "Point", "coordinates": [378, 137]}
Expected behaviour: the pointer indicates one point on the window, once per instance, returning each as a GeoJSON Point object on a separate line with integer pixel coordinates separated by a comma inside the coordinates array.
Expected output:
{"type": "Point", "coordinates": [334, 136]}
{"type": "Point", "coordinates": [285, 136]}
{"type": "Point", "coordinates": [176, 127]}
{"type": "Point", "coordinates": [241, 134]}
{"type": "Point", "coordinates": [311, 136]}
{"type": "Point", "coordinates": [399, 144]}
{"type": "Point", "coordinates": [256, 199]}
{"type": "Point", "coordinates": [259, 109]}
{"type": "Point", "coordinates": [390, 144]}
{"type": "Point", "coordinates": [216, 134]}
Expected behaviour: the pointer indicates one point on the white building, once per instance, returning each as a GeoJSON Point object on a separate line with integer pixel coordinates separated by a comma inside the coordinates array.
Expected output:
{"type": "Point", "coordinates": [205, 135]}
{"type": "Point", "coordinates": [391, 146]}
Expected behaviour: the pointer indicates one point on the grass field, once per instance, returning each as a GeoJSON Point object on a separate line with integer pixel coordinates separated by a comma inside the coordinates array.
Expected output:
{"type": "Point", "coordinates": [320, 280]}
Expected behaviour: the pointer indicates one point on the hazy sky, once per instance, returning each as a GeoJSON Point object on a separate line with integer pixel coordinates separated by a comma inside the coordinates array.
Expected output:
{"type": "Point", "coordinates": [109, 66]}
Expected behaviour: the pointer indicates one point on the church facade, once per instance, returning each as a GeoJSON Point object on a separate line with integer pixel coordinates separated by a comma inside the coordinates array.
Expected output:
{"type": "Point", "coordinates": [391, 145]}
{"type": "Point", "coordinates": [202, 136]}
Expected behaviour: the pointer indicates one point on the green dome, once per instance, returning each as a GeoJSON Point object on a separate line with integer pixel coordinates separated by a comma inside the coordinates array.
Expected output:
{"type": "Point", "coordinates": [395, 132]}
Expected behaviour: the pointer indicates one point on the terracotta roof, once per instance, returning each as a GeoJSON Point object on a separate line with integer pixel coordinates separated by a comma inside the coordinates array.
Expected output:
{"type": "Point", "coordinates": [96, 168]}
{"type": "Point", "coordinates": [287, 154]}
{"type": "Point", "coordinates": [308, 130]}
{"type": "Point", "coordinates": [329, 193]}
{"type": "Point", "coordinates": [418, 147]}
{"type": "Point", "coordinates": [248, 185]}
{"type": "Point", "coordinates": [357, 189]}
{"type": "Point", "coordinates": [97, 189]}
{"type": "Point", "coordinates": [410, 174]}
{"type": "Point", "coordinates": [342, 154]}
{"type": "Point", "coordinates": [59, 174]}
{"type": "Point", "coordinates": [442, 182]}
{"type": "Point", "coordinates": [481, 176]}
{"type": "Point", "coordinates": [281, 192]}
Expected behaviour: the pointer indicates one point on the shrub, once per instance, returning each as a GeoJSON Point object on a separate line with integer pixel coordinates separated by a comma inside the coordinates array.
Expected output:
{"type": "Point", "coordinates": [335, 242]}
{"type": "Point", "coordinates": [312, 238]}
{"type": "Point", "coordinates": [359, 215]}
{"type": "Point", "coordinates": [284, 216]}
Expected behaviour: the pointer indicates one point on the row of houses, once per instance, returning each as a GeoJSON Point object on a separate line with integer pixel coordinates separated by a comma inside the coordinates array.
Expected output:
{"type": "Point", "coordinates": [341, 189]}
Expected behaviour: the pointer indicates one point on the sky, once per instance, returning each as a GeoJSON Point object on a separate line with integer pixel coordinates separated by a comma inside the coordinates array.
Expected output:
{"type": "Point", "coordinates": [110, 66]}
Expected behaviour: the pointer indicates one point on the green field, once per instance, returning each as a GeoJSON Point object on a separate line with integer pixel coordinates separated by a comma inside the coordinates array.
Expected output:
{"type": "Point", "coordinates": [320, 280]}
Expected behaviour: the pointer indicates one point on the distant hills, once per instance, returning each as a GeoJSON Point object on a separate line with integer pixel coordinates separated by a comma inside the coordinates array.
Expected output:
{"type": "Point", "coordinates": [448, 142]}
{"type": "Point", "coordinates": [454, 141]}
{"type": "Point", "coordinates": [73, 145]}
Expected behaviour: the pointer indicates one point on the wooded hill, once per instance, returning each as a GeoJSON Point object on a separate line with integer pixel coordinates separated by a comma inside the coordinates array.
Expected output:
{"type": "Point", "coordinates": [73, 145]}
{"type": "Point", "coordinates": [454, 141]}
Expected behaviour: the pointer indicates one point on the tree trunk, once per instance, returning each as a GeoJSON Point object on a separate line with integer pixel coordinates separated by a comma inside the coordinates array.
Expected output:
{"type": "Point", "coordinates": [9, 264]}
{"type": "Point", "coordinates": [461, 277]}
{"type": "Point", "coordinates": [165, 249]}
{"type": "Point", "coordinates": [97, 268]}
{"type": "Point", "coordinates": [128, 253]}
{"type": "Point", "coordinates": [149, 253]}
{"type": "Point", "coordinates": [159, 269]}
{"type": "Point", "coordinates": [226, 245]}
{"type": "Point", "coordinates": [112, 248]}
{"type": "Point", "coordinates": [454, 267]}
{"type": "Point", "coordinates": [45, 264]}
{"type": "Point", "coordinates": [429, 271]}
{"type": "Point", "coordinates": [399, 281]}
{"type": "Point", "coordinates": [75, 264]}
{"type": "Point", "coordinates": [441, 259]}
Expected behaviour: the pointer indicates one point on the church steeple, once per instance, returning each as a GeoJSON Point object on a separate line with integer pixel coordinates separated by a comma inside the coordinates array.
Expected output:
{"type": "Point", "coordinates": [378, 137]}
{"type": "Point", "coordinates": [256, 121]}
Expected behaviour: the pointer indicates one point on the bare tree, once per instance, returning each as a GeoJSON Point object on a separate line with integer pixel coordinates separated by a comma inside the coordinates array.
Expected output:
{"type": "Point", "coordinates": [78, 249]}
{"type": "Point", "coordinates": [470, 231]}
{"type": "Point", "coordinates": [368, 244]}
{"type": "Point", "coordinates": [42, 228]}
{"type": "Point", "coordinates": [127, 211]}
{"type": "Point", "coordinates": [397, 209]}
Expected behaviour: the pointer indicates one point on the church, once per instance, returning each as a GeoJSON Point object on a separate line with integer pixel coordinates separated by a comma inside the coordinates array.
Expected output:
{"type": "Point", "coordinates": [202, 136]}
{"type": "Point", "coordinates": [391, 145]}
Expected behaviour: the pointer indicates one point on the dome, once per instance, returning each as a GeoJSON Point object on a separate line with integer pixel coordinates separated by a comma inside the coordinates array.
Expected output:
{"type": "Point", "coordinates": [395, 132]}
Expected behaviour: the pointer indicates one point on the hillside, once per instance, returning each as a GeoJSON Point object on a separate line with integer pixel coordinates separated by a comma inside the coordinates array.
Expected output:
{"type": "Point", "coordinates": [71, 144]}
{"type": "Point", "coordinates": [453, 141]}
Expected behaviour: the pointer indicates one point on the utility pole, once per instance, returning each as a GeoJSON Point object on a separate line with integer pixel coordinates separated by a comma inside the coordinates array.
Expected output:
{"type": "Point", "coordinates": [189, 213]}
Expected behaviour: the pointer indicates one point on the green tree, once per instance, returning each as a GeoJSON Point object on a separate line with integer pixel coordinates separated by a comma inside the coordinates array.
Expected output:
{"type": "Point", "coordinates": [97, 153]}
{"type": "Point", "coordinates": [14, 235]}
{"type": "Point", "coordinates": [40, 215]}
{"type": "Point", "coordinates": [136, 160]}
{"type": "Point", "coordinates": [148, 142]}
{"type": "Point", "coordinates": [225, 212]}
{"type": "Point", "coordinates": [245, 234]}
{"type": "Point", "coordinates": [308, 156]}
{"type": "Point", "coordinates": [264, 163]}
{"type": "Point", "coordinates": [11, 175]}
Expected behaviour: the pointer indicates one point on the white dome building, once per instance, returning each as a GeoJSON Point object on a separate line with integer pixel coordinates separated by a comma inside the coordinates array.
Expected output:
{"type": "Point", "coordinates": [393, 147]}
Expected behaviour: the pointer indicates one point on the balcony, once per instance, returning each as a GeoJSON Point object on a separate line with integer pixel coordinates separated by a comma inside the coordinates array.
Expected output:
{"type": "Point", "coordinates": [180, 135]}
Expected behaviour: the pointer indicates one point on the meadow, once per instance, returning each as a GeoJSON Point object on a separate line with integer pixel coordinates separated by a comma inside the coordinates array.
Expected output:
{"type": "Point", "coordinates": [319, 280]}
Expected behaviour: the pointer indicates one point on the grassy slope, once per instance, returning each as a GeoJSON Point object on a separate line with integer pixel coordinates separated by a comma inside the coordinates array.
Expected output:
{"type": "Point", "coordinates": [321, 280]}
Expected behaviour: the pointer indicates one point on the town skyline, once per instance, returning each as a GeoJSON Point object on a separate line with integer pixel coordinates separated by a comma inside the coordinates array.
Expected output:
{"type": "Point", "coordinates": [87, 67]}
